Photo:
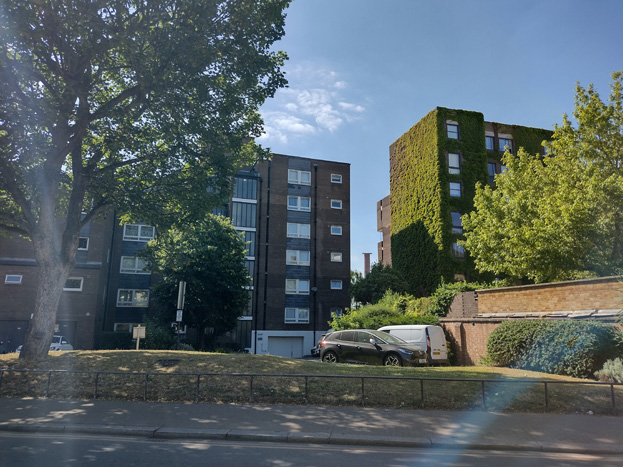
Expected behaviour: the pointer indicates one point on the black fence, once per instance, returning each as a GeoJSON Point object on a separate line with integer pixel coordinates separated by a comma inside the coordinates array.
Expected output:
{"type": "Point", "coordinates": [375, 391]}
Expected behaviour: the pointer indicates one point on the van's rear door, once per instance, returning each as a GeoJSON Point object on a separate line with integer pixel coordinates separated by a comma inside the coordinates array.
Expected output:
{"type": "Point", "coordinates": [438, 348]}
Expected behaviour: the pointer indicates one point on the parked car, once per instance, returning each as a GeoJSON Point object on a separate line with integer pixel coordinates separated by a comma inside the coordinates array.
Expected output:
{"type": "Point", "coordinates": [58, 343]}
{"type": "Point", "coordinates": [315, 351]}
{"type": "Point", "coordinates": [369, 347]}
{"type": "Point", "coordinates": [424, 336]}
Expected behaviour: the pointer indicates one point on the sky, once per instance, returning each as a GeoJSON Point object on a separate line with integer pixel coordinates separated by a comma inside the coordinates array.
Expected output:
{"type": "Point", "coordinates": [362, 72]}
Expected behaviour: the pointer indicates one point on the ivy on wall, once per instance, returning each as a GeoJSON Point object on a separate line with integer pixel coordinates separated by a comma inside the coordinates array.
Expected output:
{"type": "Point", "coordinates": [421, 205]}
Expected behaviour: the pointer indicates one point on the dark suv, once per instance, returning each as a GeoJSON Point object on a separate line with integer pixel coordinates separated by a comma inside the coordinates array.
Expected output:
{"type": "Point", "coordinates": [370, 347]}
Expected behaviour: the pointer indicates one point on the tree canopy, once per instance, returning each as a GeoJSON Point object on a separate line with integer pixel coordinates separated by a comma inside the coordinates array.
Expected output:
{"type": "Point", "coordinates": [136, 104]}
{"type": "Point", "coordinates": [558, 216]}
{"type": "Point", "coordinates": [209, 256]}
{"type": "Point", "coordinates": [380, 279]}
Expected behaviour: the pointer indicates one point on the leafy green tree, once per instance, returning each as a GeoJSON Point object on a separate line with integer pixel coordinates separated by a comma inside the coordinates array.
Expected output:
{"type": "Point", "coordinates": [380, 279]}
{"type": "Point", "coordinates": [139, 105]}
{"type": "Point", "coordinates": [209, 256]}
{"type": "Point", "coordinates": [558, 216]}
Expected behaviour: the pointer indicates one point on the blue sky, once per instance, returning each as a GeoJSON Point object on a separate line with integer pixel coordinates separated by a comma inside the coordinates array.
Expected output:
{"type": "Point", "coordinates": [362, 72]}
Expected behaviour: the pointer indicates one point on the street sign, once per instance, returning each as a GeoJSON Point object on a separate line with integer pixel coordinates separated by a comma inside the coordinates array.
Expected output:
{"type": "Point", "coordinates": [179, 316]}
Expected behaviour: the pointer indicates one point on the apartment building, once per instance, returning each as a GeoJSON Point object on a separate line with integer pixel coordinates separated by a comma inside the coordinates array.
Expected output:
{"type": "Point", "coordinates": [434, 169]}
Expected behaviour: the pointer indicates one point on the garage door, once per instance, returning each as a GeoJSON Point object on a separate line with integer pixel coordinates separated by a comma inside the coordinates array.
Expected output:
{"type": "Point", "coordinates": [291, 347]}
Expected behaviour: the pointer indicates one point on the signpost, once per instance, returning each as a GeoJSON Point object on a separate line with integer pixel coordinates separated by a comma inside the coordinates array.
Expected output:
{"type": "Point", "coordinates": [181, 293]}
{"type": "Point", "coordinates": [138, 333]}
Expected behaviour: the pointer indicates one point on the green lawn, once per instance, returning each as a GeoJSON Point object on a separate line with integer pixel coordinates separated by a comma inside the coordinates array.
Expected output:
{"type": "Point", "coordinates": [321, 386]}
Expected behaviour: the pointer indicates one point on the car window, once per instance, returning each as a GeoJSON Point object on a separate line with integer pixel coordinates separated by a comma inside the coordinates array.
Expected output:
{"type": "Point", "coordinates": [364, 337]}
{"type": "Point", "coordinates": [387, 338]}
{"type": "Point", "coordinates": [347, 336]}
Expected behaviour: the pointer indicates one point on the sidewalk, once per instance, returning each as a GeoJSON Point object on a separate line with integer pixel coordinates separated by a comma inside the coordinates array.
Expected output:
{"type": "Point", "coordinates": [322, 425]}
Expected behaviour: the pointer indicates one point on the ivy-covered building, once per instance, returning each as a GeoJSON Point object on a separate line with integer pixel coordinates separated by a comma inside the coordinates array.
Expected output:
{"type": "Point", "coordinates": [434, 169]}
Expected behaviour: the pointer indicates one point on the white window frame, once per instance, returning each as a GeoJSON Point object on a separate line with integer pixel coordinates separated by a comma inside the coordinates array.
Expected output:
{"type": "Point", "coordinates": [296, 257]}
{"type": "Point", "coordinates": [507, 139]}
{"type": "Point", "coordinates": [336, 256]}
{"type": "Point", "coordinates": [8, 279]}
{"type": "Point", "coordinates": [454, 170]}
{"type": "Point", "coordinates": [336, 285]}
{"type": "Point", "coordinates": [452, 124]}
{"type": "Point", "coordinates": [298, 315]}
{"type": "Point", "coordinates": [297, 286]}
{"type": "Point", "coordinates": [336, 204]}
{"type": "Point", "coordinates": [296, 177]}
{"type": "Point", "coordinates": [86, 247]}
{"type": "Point", "coordinates": [74, 289]}
{"type": "Point", "coordinates": [135, 269]}
{"type": "Point", "coordinates": [336, 178]}
{"type": "Point", "coordinates": [336, 230]}
{"type": "Point", "coordinates": [298, 206]}
{"type": "Point", "coordinates": [454, 189]}
{"type": "Point", "coordinates": [133, 302]}
{"type": "Point", "coordinates": [298, 229]}
{"type": "Point", "coordinates": [139, 237]}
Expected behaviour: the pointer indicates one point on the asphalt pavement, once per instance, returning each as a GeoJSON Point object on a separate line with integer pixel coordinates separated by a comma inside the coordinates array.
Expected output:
{"type": "Point", "coordinates": [323, 425]}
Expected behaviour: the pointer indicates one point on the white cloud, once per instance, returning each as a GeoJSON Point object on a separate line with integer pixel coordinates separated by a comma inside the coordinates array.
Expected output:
{"type": "Point", "coordinates": [314, 102]}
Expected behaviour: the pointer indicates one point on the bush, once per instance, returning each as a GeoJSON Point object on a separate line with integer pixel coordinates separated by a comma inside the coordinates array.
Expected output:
{"type": "Point", "coordinates": [508, 343]}
{"type": "Point", "coordinates": [612, 372]}
{"type": "Point", "coordinates": [116, 341]}
{"type": "Point", "coordinates": [443, 296]}
{"type": "Point", "coordinates": [158, 335]}
{"type": "Point", "coordinates": [573, 348]}
{"type": "Point", "coordinates": [376, 316]}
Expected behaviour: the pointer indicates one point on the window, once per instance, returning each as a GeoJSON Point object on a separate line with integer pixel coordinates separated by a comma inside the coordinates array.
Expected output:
{"type": "Point", "coordinates": [336, 285]}
{"type": "Point", "coordinates": [455, 189]}
{"type": "Point", "coordinates": [297, 286]}
{"type": "Point", "coordinates": [297, 315]}
{"type": "Point", "coordinates": [298, 230]}
{"type": "Point", "coordinates": [245, 188]}
{"type": "Point", "coordinates": [299, 177]}
{"type": "Point", "coordinates": [249, 239]}
{"type": "Point", "coordinates": [83, 243]}
{"type": "Point", "coordinates": [336, 257]}
{"type": "Point", "coordinates": [73, 284]}
{"type": "Point", "coordinates": [138, 232]}
{"type": "Point", "coordinates": [502, 168]}
{"type": "Point", "coordinates": [336, 178]}
{"type": "Point", "coordinates": [491, 170]}
{"type": "Point", "coordinates": [336, 312]}
{"type": "Point", "coordinates": [454, 166]}
{"type": "Point", "coordinates": [489, 143]}
{"type": "Point", "coordinates": [503, 142]}
{"type": "Point", "coordinates": [457, 225]}
{"type": "Point", "coordinates": [299, 203]}
{"type": "Point", "coordinates": [133, 265]}
{"type": "Point", "coordinates": [453, 130]}
{"type": "Point", "coordinates": [457, 250]}
{"type": "Point", "coordinates": [243, 214]}
{"type": "Point", "coordinates": [297, 257]}
{"type": "Point", "coordinates": [125, 327]}
{"type": "Point", "coordinates": [336, 204]}
{"type": "Point", "coordinates": [133, 297]}
{"type": "Point", "coordinates": [15, 279]}
{"type": "Point", "coordinates": [336, 230]}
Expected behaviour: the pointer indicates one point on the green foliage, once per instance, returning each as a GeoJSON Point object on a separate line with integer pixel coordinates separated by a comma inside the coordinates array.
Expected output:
{"type": "Point", "coordinates": [115, 341]}
{"type": "Point", "coordinates": [380, 279]}
{"type": "Point", "coordinates": [159, 335]}
{"type": "Point", "coordinates": [612, 372]}
{"type": "Point", "coordinates": [444, 295]}
{"type": "Point", "coordinates": [376, 316]}
{"type": "Point", "coordinates": [573, 348]}
{"type": "Point", "coordinates": [209, 256]}
{"type": "Point", "coordinates": [557, 217]}
{"type": "Point", "coordinates": [120, 103]}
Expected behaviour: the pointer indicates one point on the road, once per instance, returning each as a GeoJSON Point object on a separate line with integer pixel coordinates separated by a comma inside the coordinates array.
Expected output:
{"type": "Point", "coordinates": [35, 449]}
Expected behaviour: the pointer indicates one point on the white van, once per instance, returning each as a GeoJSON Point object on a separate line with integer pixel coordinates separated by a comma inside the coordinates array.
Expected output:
{"type": "Point", "coordinates": [427, 337]}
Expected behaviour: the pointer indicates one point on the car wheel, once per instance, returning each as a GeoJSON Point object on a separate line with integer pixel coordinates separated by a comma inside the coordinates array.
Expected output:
{"type": "Point", "coordinates": [392, 360]}
{"type": "Point", "coordinates": [330, 357]}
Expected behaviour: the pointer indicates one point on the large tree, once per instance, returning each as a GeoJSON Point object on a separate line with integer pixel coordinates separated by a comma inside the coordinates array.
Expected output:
{"type": "Point", "coordinates": [208, 255]}
{"type": "Point", "coordinates": [558, 216]}
{"type": "Point", "coordinates": [380, 279]}
{"type": "Point", "coordinates": [137, 104]}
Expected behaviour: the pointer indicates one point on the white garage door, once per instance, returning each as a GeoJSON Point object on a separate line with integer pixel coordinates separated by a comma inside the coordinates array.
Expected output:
{"type": "Point", "coordinates": [291, 347]}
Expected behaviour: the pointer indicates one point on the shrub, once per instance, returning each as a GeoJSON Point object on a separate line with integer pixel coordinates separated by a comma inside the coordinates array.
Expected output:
{"type": "Point", "coordinates": [612, 372]}
{"type": "Point", "coordinates": [116, 341]}
{"type": "Point", "coordinates": [508, 343]}
{"type": "Point", "coordinates": [573, 348]}
{"type": "Point", "coordinates": [376, 316]}
{"type": "Point", "coordinates": [444, 295]}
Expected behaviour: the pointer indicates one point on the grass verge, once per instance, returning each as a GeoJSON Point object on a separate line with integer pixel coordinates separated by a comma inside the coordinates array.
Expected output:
{"type": "Point", "coordinates": [195, 376]}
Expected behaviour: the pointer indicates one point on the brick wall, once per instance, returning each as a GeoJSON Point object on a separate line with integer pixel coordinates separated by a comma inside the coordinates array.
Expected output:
{"type": "Point", "coordinates": [604, 293]}
{"type": "Point", "coordinates": [469, 338]}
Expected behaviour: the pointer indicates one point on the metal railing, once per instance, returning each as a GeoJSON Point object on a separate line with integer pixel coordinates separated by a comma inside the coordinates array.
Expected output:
{"type": "Point", "coordinates": [253, 378]}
